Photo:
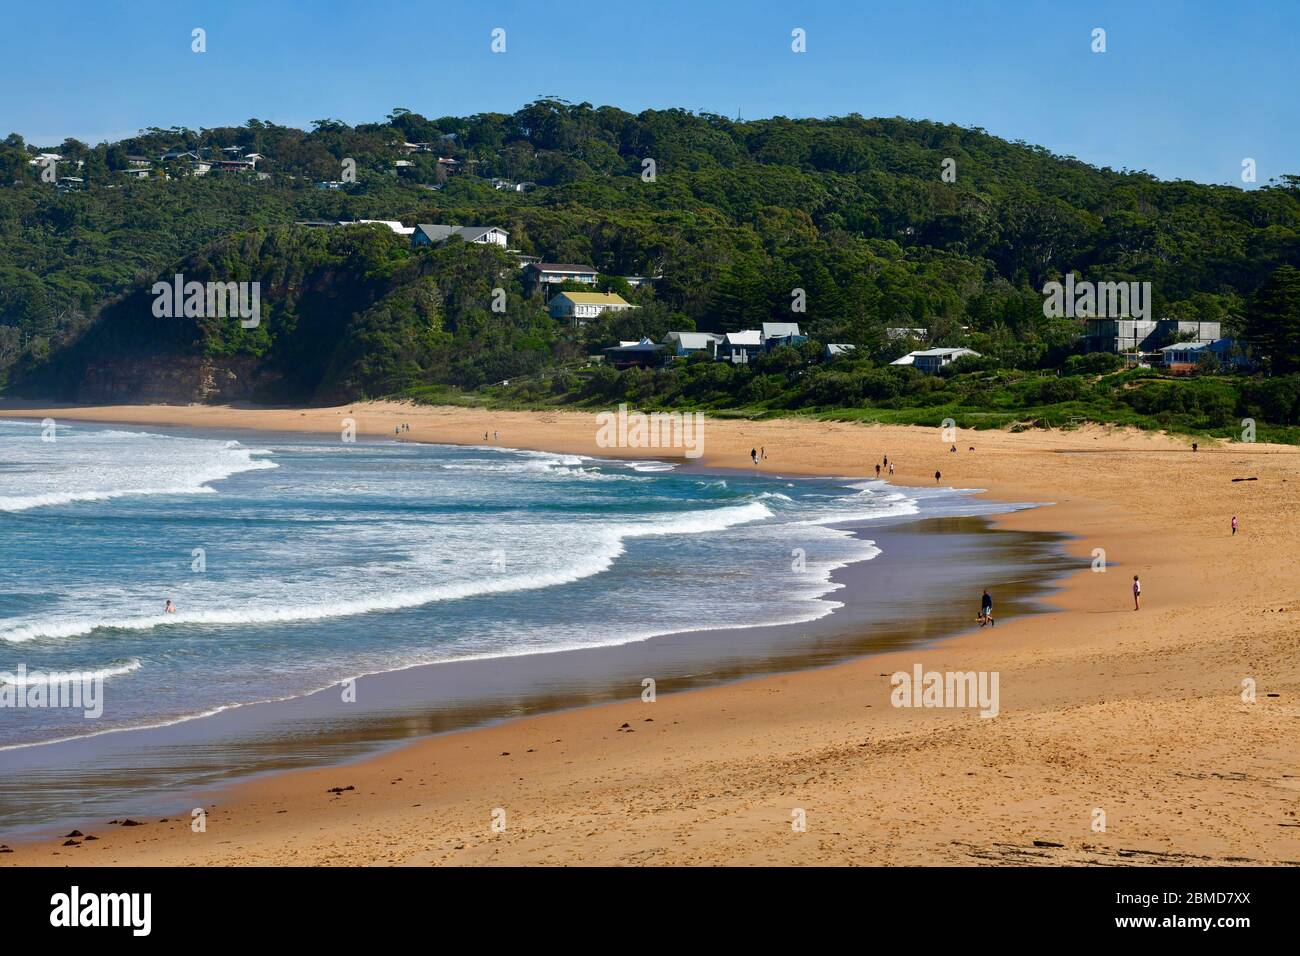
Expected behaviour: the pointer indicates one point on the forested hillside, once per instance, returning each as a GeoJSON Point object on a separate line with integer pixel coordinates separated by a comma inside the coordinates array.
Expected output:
{"type": "Point", "coordinates": [853, 211]}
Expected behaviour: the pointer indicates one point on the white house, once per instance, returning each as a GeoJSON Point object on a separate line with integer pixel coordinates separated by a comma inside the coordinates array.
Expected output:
{"type": "Point", "coordinates": [834, 349]}
{"type": "Point", "coordinates": [580, 306]}
{"type": "Point", "coordinates": [683, 344]}
{"type": "Point", "coordinates": [931, 360]}
{"type": "Point", "coordinates": [428, 234]}
{"type": "Point", "coordinates": [739, 347]}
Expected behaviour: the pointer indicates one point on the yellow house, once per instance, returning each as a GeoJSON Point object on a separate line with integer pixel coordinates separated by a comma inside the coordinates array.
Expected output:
{"type": "Point", "coordinates": [580, 306]}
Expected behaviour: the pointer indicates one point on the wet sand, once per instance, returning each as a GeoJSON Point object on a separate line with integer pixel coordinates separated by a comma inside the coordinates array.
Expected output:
{"type": "Point", "coordinates": [1123, 737]}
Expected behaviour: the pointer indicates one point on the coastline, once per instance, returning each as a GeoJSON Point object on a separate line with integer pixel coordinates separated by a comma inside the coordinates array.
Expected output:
{"type": "Point", "coordinates": [1099, 709]}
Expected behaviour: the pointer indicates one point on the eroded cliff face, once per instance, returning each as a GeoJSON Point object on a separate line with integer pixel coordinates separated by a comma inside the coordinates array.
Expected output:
{"type": "Point", "coordinates": [176, 379]}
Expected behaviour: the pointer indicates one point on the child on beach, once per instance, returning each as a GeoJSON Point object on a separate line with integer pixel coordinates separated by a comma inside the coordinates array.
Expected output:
{"type": "Point", "coordinates": [1137, 592]}
{"type": "Point", "coordinates": [1234, 524]}
{"type": "Point", "coordinates": [986, 609]}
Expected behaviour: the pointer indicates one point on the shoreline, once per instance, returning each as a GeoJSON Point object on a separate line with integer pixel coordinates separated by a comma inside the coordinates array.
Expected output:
{"type": "Point", "coordinates": [704, 789]}
{"type": "Point", "coordinates": [315, 730]}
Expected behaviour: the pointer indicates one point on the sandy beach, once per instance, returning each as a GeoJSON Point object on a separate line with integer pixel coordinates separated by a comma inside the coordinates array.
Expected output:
{"type": "Point", "coordinates": [1122, 737]}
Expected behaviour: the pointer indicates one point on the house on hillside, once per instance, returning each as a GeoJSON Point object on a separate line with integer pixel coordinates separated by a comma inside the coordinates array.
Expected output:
{"type": "Point", "coordinates": [580, 306]}
{"type": "Point", "coordinates": [931, 360]}
{"type": "Point", "coordinates": [686, 344]}
{"type": "Point", "coordinates": [1140, 335]}
{"type": "Point", "coordinates": [547, 275]}
{"type": "Point", "coordinates": [1184, 357]}
{"type": "Point", "coordinates": [739, 347]}
{"type": "Point", "coordinates": [776, 334]}
{"type": "Point", "coordinates": [835, 349]}
{"type": "Point", "coordinates": [642, 354]}
{"type": "Point", "coordinates": [428, 234]}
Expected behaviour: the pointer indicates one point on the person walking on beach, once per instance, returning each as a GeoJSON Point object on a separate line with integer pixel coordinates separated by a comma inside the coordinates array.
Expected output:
{"type": "Point", "coordinates": [753, 453]}
{"type": "Point", "coordinates": [1234, 524]}
{"type": "Point", "coordinates": [877, 472]}
{"type": "Point", "coordinates": [937, 476]}
{"type": "Point", "coordinates": [891, 468]}
{"type": "Point", "coordinates": [986, 609]}
{"type": "Point", "coordinates": [1137, 592]}
{"type": "Point", "coordinates": [762, 453]}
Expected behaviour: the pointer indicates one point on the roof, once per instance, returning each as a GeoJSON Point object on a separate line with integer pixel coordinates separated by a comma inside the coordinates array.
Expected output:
{"type": "Point", "coordinates": [748, 337]}
{"type": "Point", "coordinates": [438, 233]}
{"type": "Point", "coordinates": [594, 298]}
{"type": "Point", "coordinates": [937, 353]}
{"type": "Point", "coordinates": [694, 340]}
{"type": "Point", "coordinates": [563, 267]}
{"type": "Point", "coordinates": [907, 359]}
{"type": "Point", "coordinates": [1196, 346]}
{"type": "Point", "coordinates": [392, 224]}
{"type": "Point", "coordinates": [836, 348]}
{"type": "Point", "coordinates": [645, 345]}
{"type": "Point", "coordinates": [780, 330]}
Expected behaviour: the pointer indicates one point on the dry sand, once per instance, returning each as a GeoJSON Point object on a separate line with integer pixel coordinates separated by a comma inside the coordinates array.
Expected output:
{"type": "Point", "coordinates": [1137, 715]}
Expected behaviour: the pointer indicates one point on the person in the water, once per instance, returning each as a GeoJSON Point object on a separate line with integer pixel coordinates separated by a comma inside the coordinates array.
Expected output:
{"type": "Point", "coordinates": [170, 608]}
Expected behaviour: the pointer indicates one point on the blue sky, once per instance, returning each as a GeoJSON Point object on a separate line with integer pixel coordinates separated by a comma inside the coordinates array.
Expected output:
{"type": "Point", "coordinates": [1184, 89]}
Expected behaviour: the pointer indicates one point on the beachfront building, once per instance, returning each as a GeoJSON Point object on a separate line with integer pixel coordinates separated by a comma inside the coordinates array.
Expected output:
{"type": "Point", "coordinates": [641, 354]}
{"type": "Point", "coordinates": [776, 334]}
{"type": "Point", "coordinates": [580, 306]}
{"type": "Point", "coordinates": [930, 361]}
{"type": "Point", "coordinates": [686, 344]}
{"type": "Point", "coordinates": [429, 234]}
{"type": "Point", "coordinates": [1184, 357]}
{"type": "Point", "coordinates": [739, 347]}
{"type": "Point", "coordinates": [1140, 335]}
